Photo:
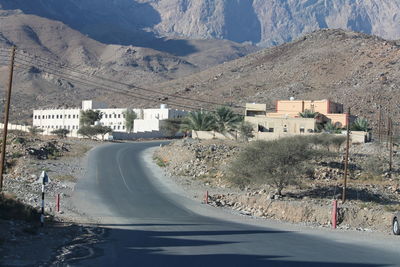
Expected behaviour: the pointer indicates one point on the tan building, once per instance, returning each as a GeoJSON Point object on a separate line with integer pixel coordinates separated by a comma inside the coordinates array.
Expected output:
{"type": "Point", "coordinates": [286, 121]}
{"type": "Point", "coordinates": [291, 108]}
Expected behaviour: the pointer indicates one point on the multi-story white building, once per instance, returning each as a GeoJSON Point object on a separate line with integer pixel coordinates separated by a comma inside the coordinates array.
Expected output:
{"type": "Point", "coordinates": [148, 120]}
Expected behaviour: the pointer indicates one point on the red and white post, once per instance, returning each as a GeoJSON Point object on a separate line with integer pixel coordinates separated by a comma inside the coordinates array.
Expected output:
{"type": "Point", "coordinates": [334, 214]}
{"type": "Point", "coordinates": [58, 202]}
{"type": "Point", "coordinates": [206, 198]}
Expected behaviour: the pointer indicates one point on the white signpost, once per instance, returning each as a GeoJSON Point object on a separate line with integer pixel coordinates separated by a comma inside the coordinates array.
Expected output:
{"type": "Point", "coordinates": [43, 179]}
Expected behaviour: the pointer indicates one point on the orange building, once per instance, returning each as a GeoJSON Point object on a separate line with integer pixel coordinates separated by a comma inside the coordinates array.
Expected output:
{"type": "Point", "coordinates": [291, 108]}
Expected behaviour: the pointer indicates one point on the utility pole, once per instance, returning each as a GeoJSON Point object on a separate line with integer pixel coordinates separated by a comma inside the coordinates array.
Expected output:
{"type": "Point", "coordinates": [388, 130]}
{"type": "Point", "coordinates": [6, 116]}
{"type": "Point", "coordinates": [346, 161]}
{"type": "Point", "coordinates": [390, 148]}
{"type": "Point", "coordinates": [380, 123]}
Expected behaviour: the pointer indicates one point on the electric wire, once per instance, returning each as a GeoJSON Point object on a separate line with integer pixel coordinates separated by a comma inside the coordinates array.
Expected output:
{"type": "Point", "coordinates": [130, 86]}
{"type": "Point", "coordinates": [106, 87]}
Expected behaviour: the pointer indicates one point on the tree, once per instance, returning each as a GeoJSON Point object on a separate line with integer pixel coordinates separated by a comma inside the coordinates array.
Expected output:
{"type": "Point", "coordinates": [332, 128]}
{"type": "Point", "coordinates": [170, 127]}
{"type": "Point", "coordinates": [130, 117]}
{"type": "Point", "coordinates": [198, 121]}
{"type": "Point", "coordinates": [245, 130]}
{"type": "Point", "coordinates": [102, 130]}
{"type": "Point", "coordinates": [278, 163]}
{"type": "Point", "coordinates": [360, 124]}
{"type": "Point", "coordinates": [89, 117]}
{"type": "Point", "coordinates": [87, 131]}
{"type": "Point", "coordinates": [226, 120]}
{"type": "Point", "coordinates": [34, 130]}
{"type": "Point", "coordinates": [308, 114]}
{"type": "Point", "coordinates": [61, 133]}
{"type": "Point", "coordinates": [93, 131]}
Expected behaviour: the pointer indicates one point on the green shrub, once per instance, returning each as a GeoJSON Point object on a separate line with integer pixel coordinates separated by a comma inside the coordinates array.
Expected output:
{"type": "Point", "coordinates": [278, 163]}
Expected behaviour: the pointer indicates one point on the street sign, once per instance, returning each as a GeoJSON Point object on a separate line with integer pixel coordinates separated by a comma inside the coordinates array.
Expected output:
{"type": "Point", "coordinates": [44, 178]}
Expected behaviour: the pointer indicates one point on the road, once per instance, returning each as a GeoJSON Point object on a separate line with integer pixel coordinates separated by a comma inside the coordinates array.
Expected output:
{"type": "Point", "coordinates": [150, 225]}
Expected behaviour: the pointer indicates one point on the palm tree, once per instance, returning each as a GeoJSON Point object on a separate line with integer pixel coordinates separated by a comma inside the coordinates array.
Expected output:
{"type": "Point", "coordinates": [308, 114]}
{"type": "Point", "coordinates": [226, 120]}
{"type": "Point", "coordinates": [360, 124]}
{"type": "Point", "coordinates": [331, 128]}
{"type": "Point", "coordinates": [198, 121]}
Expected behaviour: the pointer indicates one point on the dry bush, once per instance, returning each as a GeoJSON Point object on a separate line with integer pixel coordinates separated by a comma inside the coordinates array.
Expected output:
{"type": "Point", "coordinates": [278, 163]}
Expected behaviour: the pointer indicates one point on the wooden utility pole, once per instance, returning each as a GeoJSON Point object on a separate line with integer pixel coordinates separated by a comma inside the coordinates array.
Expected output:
{"type": "Point", "coordinates": [380, 124]}
{"type": "Point", "coordinates": [390, 148]}
{"type": "Point", "coordinates": [346, 161]}
{"type": "Point", "coordinates": [6, 117]}
{"type": "Point", "coordinates": [388, 131]}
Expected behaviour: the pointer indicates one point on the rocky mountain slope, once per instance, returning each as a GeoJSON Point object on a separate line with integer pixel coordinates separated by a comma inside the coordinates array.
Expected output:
{"type": "Point", "coordinates": [57, 45]}
{"type": "Point", "coordinates": [359, 70]}
{"type": "Point", "coordinates": [142, 22]}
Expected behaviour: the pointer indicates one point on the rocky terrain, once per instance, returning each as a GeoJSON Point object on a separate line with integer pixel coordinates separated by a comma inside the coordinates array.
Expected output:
{"type": "Point", "coordinates": [22, 241]}
{"type": "Point", "coordinates": [261, 22]}
{"type": "Point", "coordinates": [201, 166]}
{"type": "Point", "coordinates": [358, 70]}
{"type": "Point", "coordinates": [68, 60]}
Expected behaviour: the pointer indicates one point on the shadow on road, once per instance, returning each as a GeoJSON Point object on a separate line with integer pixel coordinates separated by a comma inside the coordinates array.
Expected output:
{"type": "Point", "coordinates": [138, 247]}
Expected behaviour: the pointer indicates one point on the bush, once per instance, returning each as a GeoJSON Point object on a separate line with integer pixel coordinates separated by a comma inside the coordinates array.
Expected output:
{"type": "Point", "coordinates": [277, 163]}
{"type": "Point", "coordinates": [61, 133]}
{"type": "Point", "coordinates": [170, 127]}
{"type": "Point", "coordinates": [328, 140]}
{"type": "Point", "coordinates": [245, 130]}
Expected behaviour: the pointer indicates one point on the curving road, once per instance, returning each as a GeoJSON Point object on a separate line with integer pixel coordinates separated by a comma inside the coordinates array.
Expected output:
{"type": "Point", "coordinates": [149, 225]}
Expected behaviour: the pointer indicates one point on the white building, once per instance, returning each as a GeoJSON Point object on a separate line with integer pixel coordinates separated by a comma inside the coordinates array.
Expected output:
{"type": "Point", "coordinates": [148, 120]}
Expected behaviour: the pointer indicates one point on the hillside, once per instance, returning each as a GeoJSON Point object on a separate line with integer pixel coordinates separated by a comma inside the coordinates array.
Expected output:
{"type": "Point", "coordinates": [352, 68]}
{"type": "Point", "coordinates": [146, 22]}
{"type": "Point", "coordinates": [54, 41]}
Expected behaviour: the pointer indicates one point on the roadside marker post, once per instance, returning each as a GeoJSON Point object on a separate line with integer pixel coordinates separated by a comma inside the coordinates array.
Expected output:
{"type": "Point", "coordinates": [334, 214]}
{"type": "Point", "coordinates": [58, 202]}
{"type": "Point", "coordinates": [206, 198]}
{"type": "Point", "coordinates": [43, 179]}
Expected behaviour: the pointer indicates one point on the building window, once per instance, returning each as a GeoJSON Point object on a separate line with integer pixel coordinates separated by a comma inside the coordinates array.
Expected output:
{"type": "Point", "coordinates": [105, 116]}
{"type": "Point", "coordinates": [115, 116]}
{"type": "Point", "coordinates": [285, 128]}
{"type": "Point", "coordinates": [302, 129]}
{"type": "Point", "coordinates": [69, 116]}
{"type": "Point", "coordinates": [119, 116]}
{"type": "Point", "coordinates": [271, 130]}
{"type": "Point", "coordinates": [123, 127]}
{"type": "Point", "coordinates": [52, 116]}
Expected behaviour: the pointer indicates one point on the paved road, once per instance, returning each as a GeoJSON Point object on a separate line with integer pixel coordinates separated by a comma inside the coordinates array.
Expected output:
{"type": "Point", "coordinates": [149, 226]}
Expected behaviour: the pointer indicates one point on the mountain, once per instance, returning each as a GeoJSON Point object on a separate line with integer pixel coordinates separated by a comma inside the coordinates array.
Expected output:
{"type": "Point", "coordinates": [361, 71]}
{"type": "Point", "coordinates": [147, 22]}
{"type": "Point", "coordinates": [59, 45]}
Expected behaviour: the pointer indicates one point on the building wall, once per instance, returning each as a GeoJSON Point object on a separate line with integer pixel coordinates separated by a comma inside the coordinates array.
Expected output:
{"type": "Point", "coordinates": [148, 119]}
{"type": "Point", "coordinates": [208, 135]}
{"type": "Point", "coordinates": [279, 126]}
{"type": "Point", "coordinates": [52, 119]}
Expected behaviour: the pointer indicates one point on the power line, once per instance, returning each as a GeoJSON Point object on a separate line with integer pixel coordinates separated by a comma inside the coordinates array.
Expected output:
{"type": "Point", "coordinates": [106, 87]}
{"type": "Point", "coordinates": [130, 86]}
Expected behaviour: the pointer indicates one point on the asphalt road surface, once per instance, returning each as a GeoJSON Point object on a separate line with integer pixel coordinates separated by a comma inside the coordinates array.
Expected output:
{"type": "Point", "coordinates": [150, 225]}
